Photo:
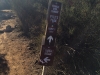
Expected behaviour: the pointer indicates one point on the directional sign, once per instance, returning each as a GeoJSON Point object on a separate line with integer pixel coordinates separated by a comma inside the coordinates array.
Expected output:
{"type": "Point", "coordinates": [54, 12]}
{"type": "Point", "coordinates": [47, 55]}
{"type": "Point", "coordinates": [55, 7]}
{"type": "Point", "coordinates": [53, 18]}
{"type": "Point", "coordinates": [47, 52]}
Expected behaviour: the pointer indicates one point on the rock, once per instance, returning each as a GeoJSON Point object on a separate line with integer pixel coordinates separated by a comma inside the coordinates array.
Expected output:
{"type": "Point", "coordinates": [8, 28]}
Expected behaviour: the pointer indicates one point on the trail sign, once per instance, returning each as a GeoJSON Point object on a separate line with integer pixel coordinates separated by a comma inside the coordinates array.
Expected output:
{"type": "Point", "coordinates": [47, 55]}
{"type": "Point", "coordinates": [48, 49]}
{"type": "Point", "coordinates": [53, 17]}
{"type": "Point", "coordinates": [54, 12]}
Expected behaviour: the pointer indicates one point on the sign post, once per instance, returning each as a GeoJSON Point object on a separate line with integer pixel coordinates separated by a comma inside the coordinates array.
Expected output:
{"type": "Point", "coordinates": [48, 49]}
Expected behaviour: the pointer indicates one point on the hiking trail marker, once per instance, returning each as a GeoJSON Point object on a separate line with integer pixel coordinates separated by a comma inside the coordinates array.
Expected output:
{"type": "Point", "coordinates": [47, 55]}
{"type": "Point", "coordinates": [48, 48]}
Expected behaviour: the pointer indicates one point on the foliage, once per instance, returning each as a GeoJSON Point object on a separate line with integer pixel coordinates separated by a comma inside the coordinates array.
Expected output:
{"type": "Point", "coordinates": [31, 13]}
{"type": "Point", "coordinates": [79, 26]}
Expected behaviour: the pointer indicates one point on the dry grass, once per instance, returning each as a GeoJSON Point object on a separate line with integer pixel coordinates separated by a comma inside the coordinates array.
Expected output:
{"type": "Point", "coordinates": [20, 59]}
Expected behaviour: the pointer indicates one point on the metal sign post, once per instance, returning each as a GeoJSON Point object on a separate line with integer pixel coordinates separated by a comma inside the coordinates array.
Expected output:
{"type": "Point", "coordinates": [43, 70]}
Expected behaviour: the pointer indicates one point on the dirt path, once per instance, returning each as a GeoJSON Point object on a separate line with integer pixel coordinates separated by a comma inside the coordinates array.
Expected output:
{"type": "Point", "coordinates": [19, 60]}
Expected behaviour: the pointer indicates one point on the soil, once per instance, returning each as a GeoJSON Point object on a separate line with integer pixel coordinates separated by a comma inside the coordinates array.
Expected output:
{"type": "Point", "coordinates": [15, 56]}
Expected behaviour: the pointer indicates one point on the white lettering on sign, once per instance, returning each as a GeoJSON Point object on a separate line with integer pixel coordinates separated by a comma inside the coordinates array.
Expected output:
{"type": "Point", "coordinates": [51, 29]}
{"type": "Point", "coordinates": [55, 6]}
{"type": "Point", "coordinates": [53, 18]}
{"type": "Point", "coordinates": [48, 52]}
{"type": "Point", "coordinates": [55, 9]}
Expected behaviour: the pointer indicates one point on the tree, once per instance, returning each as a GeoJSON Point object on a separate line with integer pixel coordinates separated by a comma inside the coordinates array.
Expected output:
{"type": "Point", "coordinates": [31, 13]}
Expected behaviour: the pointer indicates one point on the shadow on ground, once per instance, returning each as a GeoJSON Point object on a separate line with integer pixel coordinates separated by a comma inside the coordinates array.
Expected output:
{"type": "Point", "coordinates": [8, 29]}
{"type": "Point", "coordinates": [4, 68]}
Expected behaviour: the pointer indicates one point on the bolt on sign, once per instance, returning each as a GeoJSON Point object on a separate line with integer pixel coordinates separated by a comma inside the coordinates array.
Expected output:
{"type": "Point", "coordinates": [48, 49]}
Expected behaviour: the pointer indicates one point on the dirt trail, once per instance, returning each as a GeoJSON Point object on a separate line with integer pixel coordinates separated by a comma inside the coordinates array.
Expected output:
{"type": "Point", "coordinates": [20, 60]}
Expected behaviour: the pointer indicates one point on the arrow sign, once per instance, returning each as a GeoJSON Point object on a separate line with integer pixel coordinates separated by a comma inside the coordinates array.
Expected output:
{"type": "Point", "coordinates": [46, 59]}
{"type": "Point", "coordinates": [47, 55]}
{"type": "Point", "coordinates": [50, 38]}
